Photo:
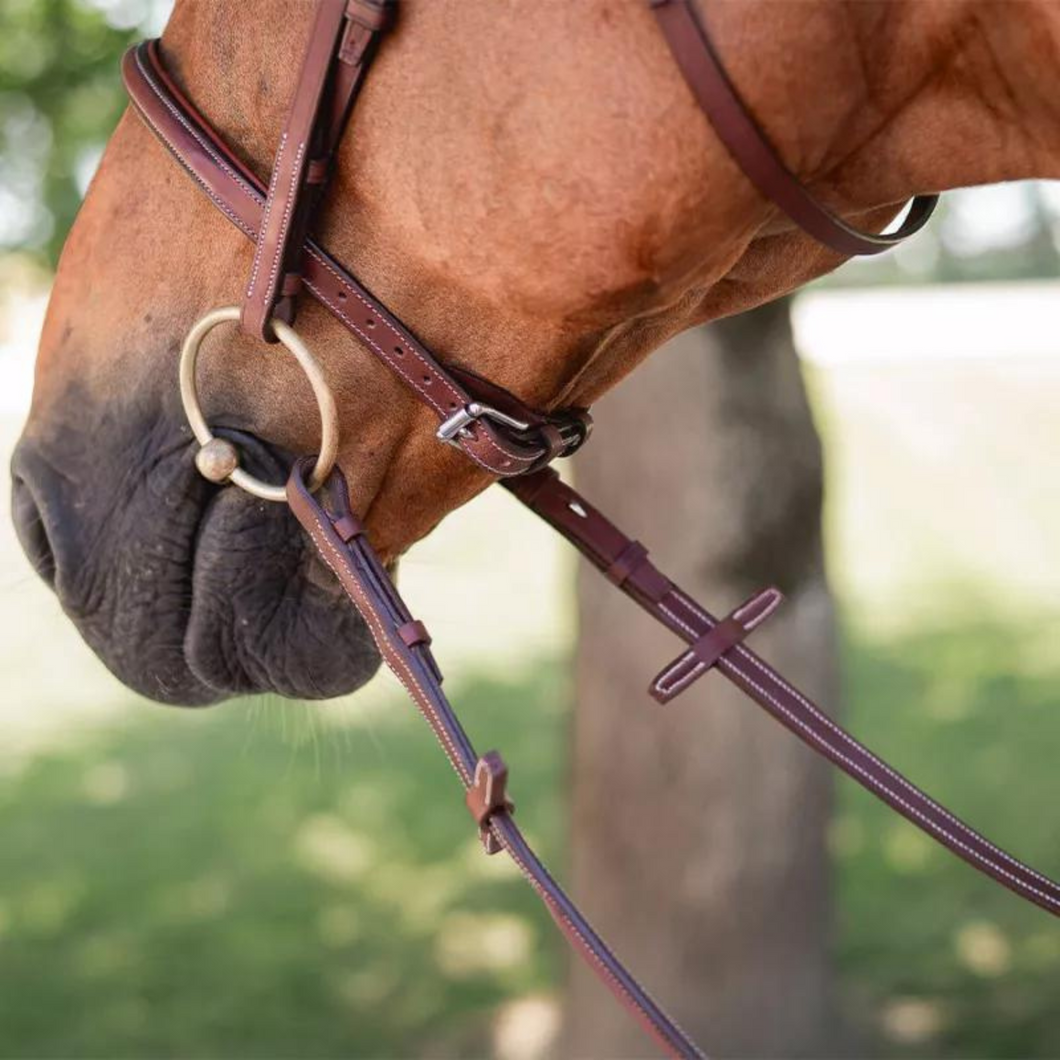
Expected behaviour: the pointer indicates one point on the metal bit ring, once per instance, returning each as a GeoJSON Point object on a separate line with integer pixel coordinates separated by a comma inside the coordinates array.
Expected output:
{"type": "Point", "coordinates": [221, 462]}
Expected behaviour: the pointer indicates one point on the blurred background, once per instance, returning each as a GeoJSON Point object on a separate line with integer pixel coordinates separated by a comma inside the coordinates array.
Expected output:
{"type": "Point", "coordinates": [275, 879]}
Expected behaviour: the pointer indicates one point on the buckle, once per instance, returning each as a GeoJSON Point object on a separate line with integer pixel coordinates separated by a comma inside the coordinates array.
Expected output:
{"type": "Point", "coordinates": [458, 425]}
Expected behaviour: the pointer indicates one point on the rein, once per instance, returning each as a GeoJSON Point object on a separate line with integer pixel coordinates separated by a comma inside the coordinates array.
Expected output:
{"type": "Point", "coordinates": [504, 437]}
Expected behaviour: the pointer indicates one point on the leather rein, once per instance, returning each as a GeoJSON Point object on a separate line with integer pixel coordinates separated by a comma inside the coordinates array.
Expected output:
{"type": "Point", "coordinates": [513, 442]}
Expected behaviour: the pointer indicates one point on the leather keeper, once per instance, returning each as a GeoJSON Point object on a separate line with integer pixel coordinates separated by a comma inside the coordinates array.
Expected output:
{"type": "Point", "coordinates": [317, 171]}
{"type": "Point", "coordinates": [488, 795]}
{"type": "Point", "coordinates": [705, 653]}
{"type": "Point", "coordinates": [347, 526]}
{"type": "Point", "coordinates": [413, 633]}
{"type": "Point", "coordinates": [627, 561]}
{"type": "Point", "coordinates": [291, 286]}
{"type": "Point", "coordinates": [373, 16]}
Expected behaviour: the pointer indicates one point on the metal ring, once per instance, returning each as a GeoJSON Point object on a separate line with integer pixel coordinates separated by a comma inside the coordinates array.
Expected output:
{"type": "Point", "coordinates": [329, 419]}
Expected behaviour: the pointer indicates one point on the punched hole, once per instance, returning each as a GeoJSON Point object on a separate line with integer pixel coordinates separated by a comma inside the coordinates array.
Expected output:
{"type": "Point", "coordinates": [370, 322]}
{"type": "Point", "coordinates": [341, 296]}
{"type": "Point", "coordinates": [426, 378]}
{"type": "Point", "coordinates": [398, 350]}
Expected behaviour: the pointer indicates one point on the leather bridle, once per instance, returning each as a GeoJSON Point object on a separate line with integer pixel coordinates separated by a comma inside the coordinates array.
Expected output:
{"type": "Point", "coordinates": [514, 442]}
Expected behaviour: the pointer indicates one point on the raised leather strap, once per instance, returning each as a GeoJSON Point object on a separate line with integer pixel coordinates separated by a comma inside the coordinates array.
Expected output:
{"type": "Point", "coordinates": [484, 779]}
{"type": "Point", "coordinates": [752, 149]}
{"type": "Point", "coordinates": [342, 41]}
{"type": "Point", "coordinates": [493, 444]}
{"type": "Point", "coordinates": [601, 542]}
{"type": "Point", "coordinates": [291, 196]}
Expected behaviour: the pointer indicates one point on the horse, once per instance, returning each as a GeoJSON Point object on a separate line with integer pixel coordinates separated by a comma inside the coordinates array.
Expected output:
{"type": "Point", "coordinates": [534, 190]}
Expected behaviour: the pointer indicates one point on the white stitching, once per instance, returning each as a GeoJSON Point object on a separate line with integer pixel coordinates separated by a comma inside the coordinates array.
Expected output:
{"type": "Point", "coordinates": [591, 949]}
{"type": "Point", "coordinates": [848, 740]}
{"type": "Point", "coordinates": [382, 642]}
{"type": "Point", "coordinates": [264, 227]}
{"type": "Point", "coordinates": [507, 455]}
{"type": "Point", "coordinates": [774, 599]}
{"type": "Point", "coordinates": [411, 346]}
{"type": "Point", "coordinates": [681, 682]}
{"type": "Point", "coordinates": [341, 313]}
{"type": "Point", "coordinates": [818, 715]}
{"type": "Point", "coordinates": [285, 223]}
{"type": "Point", "coordinates": [252, 194]}
{"type": "Point", "coordinates": [676, 665]}
{"type": "Point", "coordinates": [873, 782]}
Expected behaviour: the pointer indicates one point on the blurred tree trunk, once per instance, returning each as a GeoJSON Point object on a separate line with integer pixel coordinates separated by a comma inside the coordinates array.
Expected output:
{"type": "Point", "coordinates": [698, 843]}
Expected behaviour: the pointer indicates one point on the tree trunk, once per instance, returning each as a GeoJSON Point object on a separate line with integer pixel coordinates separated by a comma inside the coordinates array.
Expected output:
{"type": "Point", "coordinates": [698, 842]}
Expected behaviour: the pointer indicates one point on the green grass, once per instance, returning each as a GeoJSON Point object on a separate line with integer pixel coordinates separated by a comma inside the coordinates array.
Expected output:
{"type": "Point", "coordinates": [234, 883]}
{"type": "Point", "coordinates": [936, 960]}
{"type": "Point", "coordinates": [250, 882]}
{"type": "Point", "coordinates": [204, 885]}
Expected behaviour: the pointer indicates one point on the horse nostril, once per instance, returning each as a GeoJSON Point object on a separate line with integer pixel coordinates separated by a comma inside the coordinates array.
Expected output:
{"type": "Point", "coordinates": [32, 533]}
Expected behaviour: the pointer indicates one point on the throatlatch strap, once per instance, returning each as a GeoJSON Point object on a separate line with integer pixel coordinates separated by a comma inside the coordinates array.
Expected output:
{"type": "Point", "coordinates": [752, 149]}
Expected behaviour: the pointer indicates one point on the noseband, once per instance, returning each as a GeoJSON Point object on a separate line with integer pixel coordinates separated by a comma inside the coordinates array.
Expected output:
{"type": "Point", "coordinates": [504, 437]}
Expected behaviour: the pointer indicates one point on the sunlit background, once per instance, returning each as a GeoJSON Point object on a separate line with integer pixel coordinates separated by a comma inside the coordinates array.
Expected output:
{"type": "Point", "coordinates": [258, 879]}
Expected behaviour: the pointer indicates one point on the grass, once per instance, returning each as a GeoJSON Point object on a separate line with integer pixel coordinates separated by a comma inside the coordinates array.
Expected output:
{"type": "Point", "coordinates": [217, 884]}
{"type": "Point", "coordinates": [248, 883]}
{"type": "Point", "coordinates": [194, 885]}
{"type": "Point", "coordinates": [935, 959]}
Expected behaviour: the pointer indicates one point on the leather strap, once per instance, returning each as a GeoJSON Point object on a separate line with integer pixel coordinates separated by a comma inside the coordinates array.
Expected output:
{"type": "Point", "coordinates": [340, 45]}
{"type": "Point", "coordinates": [507, 438]}
{"type": "Point", "coordinates": [751, 148]}
{"type": "Point", "coordinates": [484, 778]}
{"type": "Point", "coordinates": [495, 446]}
{"type": "Point", "coordinates": [601, 542]}
{"type": "Point", "coordinates": [706, 652]}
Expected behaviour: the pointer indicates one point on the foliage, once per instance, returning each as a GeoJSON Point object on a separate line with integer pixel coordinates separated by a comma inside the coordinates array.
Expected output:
{"type": "Point", "coordinates": [60, 98]}
{"type": "Point", "coordinates": [194, 885]}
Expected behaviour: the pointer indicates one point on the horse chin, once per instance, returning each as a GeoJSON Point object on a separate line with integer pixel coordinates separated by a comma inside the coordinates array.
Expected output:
{"type": "Point", "coordinates": [189, 593]}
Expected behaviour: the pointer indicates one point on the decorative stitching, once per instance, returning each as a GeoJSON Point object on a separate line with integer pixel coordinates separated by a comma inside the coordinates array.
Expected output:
{"type": "Point", "coordinates": [382, 643]}
{"type": "Point", "coordinates": [594, 950]}
{"type": "Point", "coordinates": [460, 396]}
{"type": "Point", "coordinates": [874, 783]}
{"type": "Point", "coordinates": [264, 227]}
{"type": "Point", "coordinates": [352, 324]}
{"type": "Point", "coordinates": [929, 824]}
{"type": "Point", "coordinates": [509, 456]}
{"type": "Point", "coordinates": [284, 223]}
{"type": "Point", "coordinates": [164, 99]}
{"type": "Point", "coordinates": [771, 606]}
{"type": "Point", "coordinates": [682, 681]}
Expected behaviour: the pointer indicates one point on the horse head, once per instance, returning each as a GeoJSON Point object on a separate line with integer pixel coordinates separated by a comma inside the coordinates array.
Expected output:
{"type": "Point", "coordinates": [535, 191]}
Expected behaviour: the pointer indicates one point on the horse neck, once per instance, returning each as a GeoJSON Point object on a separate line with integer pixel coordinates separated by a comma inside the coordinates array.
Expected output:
{"type": "Point", "coordinates": [535, 178]}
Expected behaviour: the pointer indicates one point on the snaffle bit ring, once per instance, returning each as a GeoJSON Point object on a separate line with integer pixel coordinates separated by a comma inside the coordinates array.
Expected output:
{"type": "Point", "coordinates": [218, 459]}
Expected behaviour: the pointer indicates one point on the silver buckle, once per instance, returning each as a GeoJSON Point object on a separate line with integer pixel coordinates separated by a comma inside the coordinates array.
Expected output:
{"type": "Point", "coordinates": [457, 426]}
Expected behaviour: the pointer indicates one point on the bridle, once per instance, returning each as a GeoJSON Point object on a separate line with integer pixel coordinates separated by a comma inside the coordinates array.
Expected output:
{"type": "Point", "coordinates": [504, 437]}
